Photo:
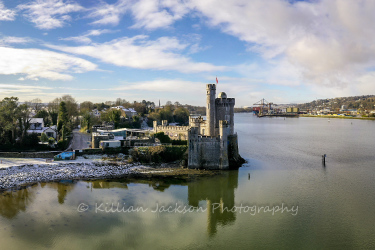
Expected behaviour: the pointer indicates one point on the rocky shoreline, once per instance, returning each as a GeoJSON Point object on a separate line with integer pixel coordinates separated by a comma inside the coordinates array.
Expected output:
{"type": "Point", "coordinates": [16, 177]}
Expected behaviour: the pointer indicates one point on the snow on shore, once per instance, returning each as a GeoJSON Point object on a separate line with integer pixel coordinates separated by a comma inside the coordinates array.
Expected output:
{"type": "Point", "coordinates": [17, 172]}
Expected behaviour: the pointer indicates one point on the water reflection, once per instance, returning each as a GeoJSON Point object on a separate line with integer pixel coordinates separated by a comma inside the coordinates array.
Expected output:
{"type": "Point", "coordinates": [218, 191]}
{"type": "Point", "coordinates": [63, 188]}
{"type": "Point", "coordinates": [158, 185]}
{"type": "Point", "coordinates": [12, 202]}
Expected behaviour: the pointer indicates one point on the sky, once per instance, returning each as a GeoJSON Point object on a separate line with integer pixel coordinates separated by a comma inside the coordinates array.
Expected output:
{"type": "Point", "coordinates": [168, 50]}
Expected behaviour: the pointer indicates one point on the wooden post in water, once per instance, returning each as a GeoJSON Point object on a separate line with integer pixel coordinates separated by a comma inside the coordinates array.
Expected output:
{"type": "Point", "coordinates": [324, 159]}
{"type": "Point", "coordinates": [249, 176]}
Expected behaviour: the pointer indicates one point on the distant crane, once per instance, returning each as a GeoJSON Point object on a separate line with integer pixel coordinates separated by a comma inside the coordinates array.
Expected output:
{"type": "Point", "coordinates": [263, 104]}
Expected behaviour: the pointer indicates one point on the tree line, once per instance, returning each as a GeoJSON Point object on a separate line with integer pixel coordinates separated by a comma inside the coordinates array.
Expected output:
{"type": "Point", "coordinates": [66, 114]}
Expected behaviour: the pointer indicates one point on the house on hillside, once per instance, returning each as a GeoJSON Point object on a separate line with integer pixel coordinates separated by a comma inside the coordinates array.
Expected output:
{"type": "Point", "coordinates": [50, 132]}
{"type": "Point", "coordinates": [96, 113]}
{"type": "Point", "coordinates": [36, 123]}
{"type": "Point", "coordinates": [37, 126]}
{"type": "Point", "coordinates": [130, 112]}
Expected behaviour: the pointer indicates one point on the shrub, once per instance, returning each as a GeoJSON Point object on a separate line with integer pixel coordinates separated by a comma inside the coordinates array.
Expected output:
{"type": "Point", "coordinates": [163, 137]}
{"type": "Point", "coordinates": [31, 140]}
{"type": "Point", "coordinates": [51, 141]}
{"type": "Point", "coordinates": [62, 144]}
{"type": "Point", "coordinates": [179, 142]}
{"type": "Point", "coordinates": [158, 154]}
{"type": "Point", "coordinates": [43, 137]}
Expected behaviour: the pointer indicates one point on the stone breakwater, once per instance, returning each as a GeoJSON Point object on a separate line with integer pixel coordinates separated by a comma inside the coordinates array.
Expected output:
{"type": "Point", "coordinates": [18, 176]}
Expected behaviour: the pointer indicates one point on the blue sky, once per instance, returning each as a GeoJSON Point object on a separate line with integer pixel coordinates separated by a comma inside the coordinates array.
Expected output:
{"type": "Point", "coordinates": [283, 51]}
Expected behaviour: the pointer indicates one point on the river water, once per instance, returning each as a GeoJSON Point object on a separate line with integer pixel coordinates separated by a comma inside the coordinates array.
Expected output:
{"type": "Point", "coordinates": [282, 198]}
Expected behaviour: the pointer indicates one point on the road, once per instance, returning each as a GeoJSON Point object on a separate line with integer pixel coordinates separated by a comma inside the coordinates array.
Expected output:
{"type": "Point", "coordinates": [80, 140]}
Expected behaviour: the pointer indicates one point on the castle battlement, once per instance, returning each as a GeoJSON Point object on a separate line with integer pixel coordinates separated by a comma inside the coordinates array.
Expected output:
{"type": "Point", "coordinates": [205, 138]}
{"type": "Point", "coordinates": [173, 128]}
{"type": "Point", "coordinates": [196, 121]}
{"type": "Point", "coordinates": [222, 101]}
{"type": "Point", "coordinates": [211, 86]}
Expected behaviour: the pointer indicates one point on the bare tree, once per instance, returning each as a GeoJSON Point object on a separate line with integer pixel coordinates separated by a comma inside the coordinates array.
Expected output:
{"type": "Point", "coordinates": [53, 106]}
{"type": "Point", "coordinates": [109, 103]}
{"type": "Point", "coordinates": [120, 101]}
{"type": "Point", "coordinates": [86, 106]}
{"type": "Point", "coordinates": [36, 104]}
{"type": "Point", "coordinates": [71, 105]}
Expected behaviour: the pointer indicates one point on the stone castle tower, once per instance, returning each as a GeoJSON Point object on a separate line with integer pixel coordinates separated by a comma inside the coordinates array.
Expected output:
{"type": "Point", "coordinates": [210, 109]}
{"type": "Point", "coordinates": [212, 142]}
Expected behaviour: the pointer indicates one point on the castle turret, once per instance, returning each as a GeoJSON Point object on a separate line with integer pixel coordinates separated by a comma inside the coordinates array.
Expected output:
{"type": "Point", "coordinates": [224, 131]}
{"type": "Point", "coordinates": [210, 109]}
{"type": "Point", "coordinates": [194, 160]}
{"type": "Point", "coordinates": [155, 124]}
{"type": "Point", "coordinates": [195, 122]}
{"type": "Point", "coordinates": [231, 102]}
{"type": "Point", "coordinates": [225, 111]}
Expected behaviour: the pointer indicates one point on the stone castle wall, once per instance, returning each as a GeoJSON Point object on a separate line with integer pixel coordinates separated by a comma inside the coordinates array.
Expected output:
{"type": "Point", "coordinates": [204, 152]}
{"type": "Point", "coordinates": [174, 132]}
{"type": "Point", "coordinates": [225, 111]}
{"type": "Point", "coordinates": [208, 152]}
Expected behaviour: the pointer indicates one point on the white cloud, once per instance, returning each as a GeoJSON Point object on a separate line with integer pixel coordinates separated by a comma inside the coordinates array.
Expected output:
{"type": "Point", "coordinates": [14, 40]}
{"type": "Point", "coordinates": [36, 63]}
{"type": "Point", "coordinates": [21, 87]}
{"type": "Point", "coordinates": [165, 89]}
{"type": "Point", "coordinates": [24, 92]}
{"type": "Point", "coordinates": [152, 14]}
{"type": "Point", "coordinates": [193, 91]}
{"type": "Point", "coordinates": [141, 53]}
{"type": "Point", "coordinates": [49, 14]}
{"type": "Point", "coordinates": [6, 14]}
{"type": "Point", "coordinates": [163, 85]}
{"type": "Point", "coordinates": [329, 41]}
{"type": "Point", "coordinates": [78, 39]}
{"type": "Point", "coordinates": [278, 72]}
{"type": "Point", "coordinates": [85, 37]}
{"type": "Point", "coordinates": [362, 85]}
{"type": "Point", "coordinates": [148, 14]}
{"type": "Point", "coordinates": [109, 13]}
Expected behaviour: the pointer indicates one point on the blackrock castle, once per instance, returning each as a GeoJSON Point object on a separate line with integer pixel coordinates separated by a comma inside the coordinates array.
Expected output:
{"type": "Point", "coordinates": [212, 142]}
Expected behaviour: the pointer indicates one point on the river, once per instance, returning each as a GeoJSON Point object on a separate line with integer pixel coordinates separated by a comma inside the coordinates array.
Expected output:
{"type": "Point", "coordinates": [282, 198]}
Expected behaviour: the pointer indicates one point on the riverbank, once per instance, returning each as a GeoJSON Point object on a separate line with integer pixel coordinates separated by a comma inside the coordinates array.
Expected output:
{"type": "Point", "coordinates": [339, 116]}
{"type": "Point", "coordinates": [17, 173]}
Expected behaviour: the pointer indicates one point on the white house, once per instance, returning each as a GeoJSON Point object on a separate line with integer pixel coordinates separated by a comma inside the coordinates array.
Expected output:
{"type": "Point", "coordinates": [96, 113]}
{"type": "Point", "coordinates": [50, 132]}
{"type": "Point", "coordinates": [37, 126]}
{"type": "Point", "coordinates": [130, 112]}
{"type": "Point", "coordinates": [36, 123]}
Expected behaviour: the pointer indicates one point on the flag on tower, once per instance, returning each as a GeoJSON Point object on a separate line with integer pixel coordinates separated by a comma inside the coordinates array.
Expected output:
{"type": "Point", "coordinates": [217, 82]}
